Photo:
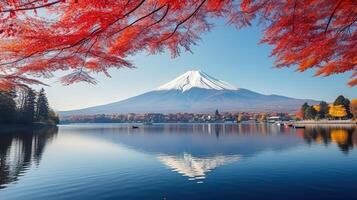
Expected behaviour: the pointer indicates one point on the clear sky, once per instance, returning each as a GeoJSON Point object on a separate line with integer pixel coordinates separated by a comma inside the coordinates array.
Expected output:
{"type": "Point", "coordinates": [225, 53]}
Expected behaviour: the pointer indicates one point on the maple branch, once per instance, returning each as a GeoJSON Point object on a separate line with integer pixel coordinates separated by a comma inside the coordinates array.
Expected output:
{"type": "Point", "coordinates": [99, 30]}
{"type": "Point", "coordinates": [348, 26]}
{"type": "Point", "coordinates": [158, 21]}
{"type": "Point", "coordinates": [332, 14]}
{"type": "Point", "coordinates": [29, 3]}
{"type": "Point", "coordinates": [183, 21]}
{"type": "Point", "coordinates": [86, 54]}
{"type": "Point", "coordinates": [76, 76]}
{"type": "Point", "coordinates": [89, 49]}
{"type": "Point", "coordinates": [18, 60]}
{"type": "Point", "coordinates": [32, 8]}
{"type": "Point", "coordinates": [128, 13]}
{"type": "Point", "coordinates": [256, 9]}
{"type": "Point", "coordinates": [137, 20]}
{"type": "Point", "coordinates": [83, 40]}
{"type": "Point", "coordinates": [162, 17]}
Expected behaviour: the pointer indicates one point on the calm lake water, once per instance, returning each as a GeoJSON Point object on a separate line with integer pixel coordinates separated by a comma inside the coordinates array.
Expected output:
{"type": "Point", "coordinates": [179, 161]}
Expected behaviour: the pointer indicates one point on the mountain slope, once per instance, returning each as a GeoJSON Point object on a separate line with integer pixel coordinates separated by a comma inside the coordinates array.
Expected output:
{"type": "Point", "coordinates": [196, 91]}
{"type": "Point", "coordinates": [196, 79]}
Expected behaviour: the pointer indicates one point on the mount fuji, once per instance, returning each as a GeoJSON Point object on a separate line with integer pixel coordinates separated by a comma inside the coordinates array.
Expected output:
{"type": "Point", "coordinates": [196, 91]}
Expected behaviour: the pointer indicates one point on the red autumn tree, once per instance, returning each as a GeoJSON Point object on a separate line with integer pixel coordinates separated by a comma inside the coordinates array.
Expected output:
{"type": "Point", "coordinates": [299, 114]}
{"type": "Point", "coordinates": [39, 37]}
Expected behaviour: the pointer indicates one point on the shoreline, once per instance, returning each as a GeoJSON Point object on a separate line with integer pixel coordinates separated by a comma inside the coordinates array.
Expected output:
{"type": "Point", "coordinates": [326, 122]}
{"type": "Point", "coordinates": [307, 122]}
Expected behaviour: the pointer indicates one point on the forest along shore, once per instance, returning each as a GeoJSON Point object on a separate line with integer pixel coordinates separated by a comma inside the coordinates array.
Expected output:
{"type": "Point", "coordinates": [25, 107]}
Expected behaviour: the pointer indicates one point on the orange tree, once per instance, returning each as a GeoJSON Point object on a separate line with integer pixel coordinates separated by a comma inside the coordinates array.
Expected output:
{"type": "Point", "coordinates": [337, 111]}
{"type": "Point", "coordinates": [82, 37]}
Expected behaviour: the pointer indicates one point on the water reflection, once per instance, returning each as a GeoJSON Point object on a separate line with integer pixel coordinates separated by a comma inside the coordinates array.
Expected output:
{"type": "Point", "coordinates": [199, 140]}
{"type": "Point", "coordinates": [21, 149]}
{"type": "Point", "coordinates": [191, 150]}
{"type": "Point", "coordinates": [204, 128]}
{"type": "Point", "coordinates": [344, 137]}
{"type": "Point", "coordinates": [193, 167]}
{"type": "Point", "coordinates": [194, 150]}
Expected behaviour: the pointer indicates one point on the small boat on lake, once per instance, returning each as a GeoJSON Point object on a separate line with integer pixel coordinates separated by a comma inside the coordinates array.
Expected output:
{"type": "Point", "coordinates": [289, 124]}
{"type": "Point", "coordinates": [279, 123]}
{"type": "Point", "coordinates": [299, 126]}
{"type": "Point", "coordinates": [134, 127]}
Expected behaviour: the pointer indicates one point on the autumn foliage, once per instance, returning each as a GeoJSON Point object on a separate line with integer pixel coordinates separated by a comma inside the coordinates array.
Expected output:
{"type": "Point", "coordinates": [341, 108]}
{"type": "Point", "coordinates": [299, 114]}
{"type": "Point", "coordinates": [82, 37]}
{"type": "Point", "coordinates": [337, 111]}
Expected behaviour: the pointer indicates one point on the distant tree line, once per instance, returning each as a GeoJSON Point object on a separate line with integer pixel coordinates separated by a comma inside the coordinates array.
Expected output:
{"type": "Point", "coordinates": [26, 106]}
{"type": "Point", "coordinates": [175, 117]}
{"type": "Point", "coordinates": [341, 108]}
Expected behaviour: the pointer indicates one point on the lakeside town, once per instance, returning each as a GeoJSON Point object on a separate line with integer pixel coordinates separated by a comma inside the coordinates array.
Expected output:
{"type": "Point", "coordinates": [217, 116]}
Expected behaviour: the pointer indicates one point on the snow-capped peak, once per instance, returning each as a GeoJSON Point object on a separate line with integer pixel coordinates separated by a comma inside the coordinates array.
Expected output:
{"type": "Point", "coordinates": [196, 79]}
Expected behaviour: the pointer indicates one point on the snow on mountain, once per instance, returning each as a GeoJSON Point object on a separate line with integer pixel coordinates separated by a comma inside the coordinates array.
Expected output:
{"type": "Point", "coordinates": [196, 79]}
{"type": "Point", "coordinates": [197, 92]}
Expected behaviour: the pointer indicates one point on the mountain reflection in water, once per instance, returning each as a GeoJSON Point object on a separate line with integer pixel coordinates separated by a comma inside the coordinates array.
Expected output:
{"type": "Point", "coordinates": [195, 168]}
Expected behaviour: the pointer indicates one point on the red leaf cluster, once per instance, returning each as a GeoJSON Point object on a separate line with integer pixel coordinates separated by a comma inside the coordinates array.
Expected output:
{"type": "Point", "coordinates": [39, 37]}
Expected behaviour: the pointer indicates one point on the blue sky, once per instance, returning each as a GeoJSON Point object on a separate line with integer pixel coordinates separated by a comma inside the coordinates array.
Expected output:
{"type": "Point", "coordinates": [226, 53]}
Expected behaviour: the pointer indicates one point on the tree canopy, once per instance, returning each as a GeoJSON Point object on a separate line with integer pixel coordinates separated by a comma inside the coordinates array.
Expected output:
{"type": "Point", "coordinates": [345, 102]}
{"type": "Point", "coordinates": [337, 111]}
{"type": "Point", "coordinates": [341, 108]}
{"type": "Point", "coordinates": [82, 37]}
{"type": "Point", "coordinates": [7, 107]}
{"type": "Point", "coordinates": [25, 106]}
{"type": "Point", "coordinates": [42, 107]}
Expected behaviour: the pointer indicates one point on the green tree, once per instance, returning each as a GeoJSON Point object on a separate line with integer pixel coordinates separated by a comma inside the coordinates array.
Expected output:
{"type": "Point", "coordinates": [324, 109]}
{"type": "Point", "coordinates": [345, 102]}
{"type": "Point", "coordinates": [28, 110]}
{"type": "Point", "coordinates": [7, 107]}
{"type": "Point", "coordinates": [53, 118]}
{"type": "Point", "coordinates": [42, 108]}
{"type": "Point", "coordinates": [304, 107]}
{"type": "Point", "coordinates": [310, 113]}
{"type": "Point", "coordinates": [339, 100]}
{"type": "Point", "coordinates": [347, 105]}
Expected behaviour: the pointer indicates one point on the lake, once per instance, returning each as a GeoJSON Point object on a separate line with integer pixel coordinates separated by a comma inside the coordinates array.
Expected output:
{"type": "Point", "coordinates": [178, 161]}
